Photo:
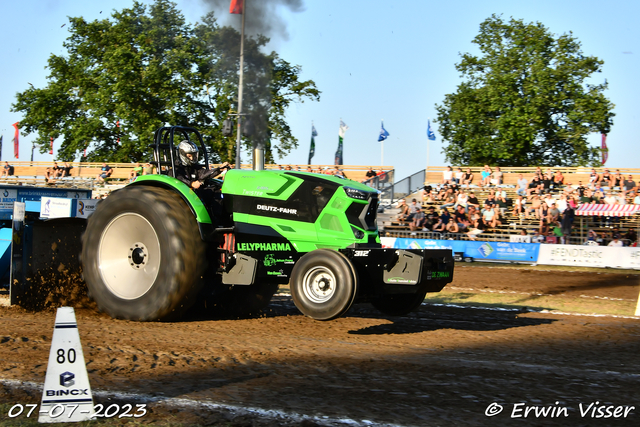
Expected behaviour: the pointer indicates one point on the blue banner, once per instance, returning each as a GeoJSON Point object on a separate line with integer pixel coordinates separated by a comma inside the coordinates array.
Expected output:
{"type": "Point", "coordinates": [499, 251]}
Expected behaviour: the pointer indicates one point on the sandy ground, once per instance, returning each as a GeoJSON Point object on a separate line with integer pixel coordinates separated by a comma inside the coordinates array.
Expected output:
{"type": "Point", "coordinates": [438, 366]}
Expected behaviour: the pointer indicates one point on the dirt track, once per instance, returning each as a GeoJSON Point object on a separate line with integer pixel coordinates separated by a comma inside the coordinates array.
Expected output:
{"type": "Point", "coordinates": [440, 366]}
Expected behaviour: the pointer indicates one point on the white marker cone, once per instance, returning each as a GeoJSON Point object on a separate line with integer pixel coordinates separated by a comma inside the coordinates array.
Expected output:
{"type": "Point", "coordinates": [67, 395]}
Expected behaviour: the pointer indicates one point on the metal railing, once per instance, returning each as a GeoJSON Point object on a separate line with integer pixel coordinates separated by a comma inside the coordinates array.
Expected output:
{"type": "Point", "coordinates": [398, 190]}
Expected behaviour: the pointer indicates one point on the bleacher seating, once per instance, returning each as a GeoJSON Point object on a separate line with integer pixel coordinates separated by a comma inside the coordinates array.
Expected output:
{"type": "Point", "coordinates": [511, 224]}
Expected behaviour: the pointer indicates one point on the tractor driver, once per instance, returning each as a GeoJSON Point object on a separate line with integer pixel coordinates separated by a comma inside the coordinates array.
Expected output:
{"type": "Point", "coordinates": [190, 171]}
{"type": "Point", "coordinates": [194, 175]}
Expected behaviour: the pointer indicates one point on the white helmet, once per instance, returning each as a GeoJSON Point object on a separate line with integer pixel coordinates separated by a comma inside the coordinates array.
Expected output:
{"type": "Point", "coordinates": [186, 147]}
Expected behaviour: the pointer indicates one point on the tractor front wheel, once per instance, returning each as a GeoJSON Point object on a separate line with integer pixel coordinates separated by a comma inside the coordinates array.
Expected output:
{"type": "Point", "coordinates": [323, 284]}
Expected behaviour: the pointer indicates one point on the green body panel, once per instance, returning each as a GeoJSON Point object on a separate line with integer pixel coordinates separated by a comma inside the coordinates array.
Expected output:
{"type": "Point", "coordinates": [268, 183]}
{"type": "Point", "coordinates": [187, 193]}
{"type": "Point", "coordinates": [331, 229]}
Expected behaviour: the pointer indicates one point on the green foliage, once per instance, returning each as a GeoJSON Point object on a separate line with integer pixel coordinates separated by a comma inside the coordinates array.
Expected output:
{"type": "Point", "coordinates": [124, 77]}
{"type": "Point", "coordinates": [525, 101]}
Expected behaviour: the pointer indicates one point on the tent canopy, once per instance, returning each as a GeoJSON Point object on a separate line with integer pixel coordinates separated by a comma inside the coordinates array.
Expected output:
{"type": "Point", "coordinates": [595, 209]}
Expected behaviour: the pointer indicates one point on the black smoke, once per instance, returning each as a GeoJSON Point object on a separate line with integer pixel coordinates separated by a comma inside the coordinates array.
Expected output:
{"type": "Point", "coordinates": [262, 16]}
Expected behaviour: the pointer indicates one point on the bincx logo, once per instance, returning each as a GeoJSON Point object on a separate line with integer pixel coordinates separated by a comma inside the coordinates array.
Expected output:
{"type": "Point", "coordinates": [67, 379]}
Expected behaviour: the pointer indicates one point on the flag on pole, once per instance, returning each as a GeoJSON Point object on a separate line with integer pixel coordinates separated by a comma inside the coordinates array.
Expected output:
{"type": "Point", "coordinates": [236, 7]}
{"type": "Point", "coordinates": [312, 149]}
{"type": "Point", "coordinates": [430, 134]}
{"type": "Point", "coordinates": [341, 132]}
{"type": "Point", "coordinates": [51, 149]}
{"type": "Point", "coordinates": [605, 150]}
{"type": "Point", "coordinates": [16, 141]}
{"type": "Point", "coordinates": [383, 133]}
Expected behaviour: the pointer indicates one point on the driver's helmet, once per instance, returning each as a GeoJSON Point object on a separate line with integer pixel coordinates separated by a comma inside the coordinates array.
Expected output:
{"type": "Point", "coordinates": [187, 147]}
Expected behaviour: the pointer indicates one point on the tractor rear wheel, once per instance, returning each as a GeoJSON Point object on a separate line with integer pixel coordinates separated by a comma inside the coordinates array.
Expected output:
{"type": "Point", "coordinates": [399, 304]}
{"type": "Point", "coordinates": [323, 284]}
{"type": "Point", "coordinates": [142, 256]}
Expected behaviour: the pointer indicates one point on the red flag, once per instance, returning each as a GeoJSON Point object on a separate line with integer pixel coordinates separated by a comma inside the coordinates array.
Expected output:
{"type": "Point", "coordinates": [605, 150]}
{"type": "Point", "coordinates": [236, 6]}
{"type": "Point", "coordinates": [16, 141]}
{"type": "Point", "coordinates": [51, 150]}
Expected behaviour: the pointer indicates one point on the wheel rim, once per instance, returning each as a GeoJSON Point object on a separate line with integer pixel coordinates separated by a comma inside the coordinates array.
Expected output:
{"type": "Point", "coordinates": [319, 284]}
{"type": "Point", "coordinates": [129, 256]}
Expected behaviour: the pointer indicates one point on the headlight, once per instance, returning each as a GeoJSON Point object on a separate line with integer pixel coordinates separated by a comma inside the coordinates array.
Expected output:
{"type": "Point", "coordinates": [356, 194]}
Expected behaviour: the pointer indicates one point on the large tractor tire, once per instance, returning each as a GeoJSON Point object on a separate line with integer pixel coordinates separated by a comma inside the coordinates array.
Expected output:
{"type": "Point", "coordinates": [400, 304]}
{"type": "Point", "coordinates": [143, 258]}
{"type": "Point", "coordinates": [324, 284]}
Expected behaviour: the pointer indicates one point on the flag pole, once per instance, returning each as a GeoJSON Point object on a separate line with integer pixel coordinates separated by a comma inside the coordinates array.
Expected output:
{"type": "Point", "coordinates": [239, 132]}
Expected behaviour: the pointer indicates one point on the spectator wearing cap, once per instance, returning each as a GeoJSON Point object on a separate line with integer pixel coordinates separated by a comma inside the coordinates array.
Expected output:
{"type": "Point", "coordinates": [417, 222]}
{"type": "Point", "coordinates": [616, 242]}
{"type": "Point", "coordinates": [431, 219]}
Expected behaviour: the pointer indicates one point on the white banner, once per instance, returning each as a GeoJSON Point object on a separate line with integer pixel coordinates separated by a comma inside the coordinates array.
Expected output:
{"type": "Point", "coordinates": [55, 207]}
{"type": "Point", "coordinates": [589, 256]}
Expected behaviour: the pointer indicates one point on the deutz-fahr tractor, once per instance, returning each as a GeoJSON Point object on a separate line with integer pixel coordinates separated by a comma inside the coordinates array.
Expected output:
{"type": "Point", "coordinates": [156, 247]}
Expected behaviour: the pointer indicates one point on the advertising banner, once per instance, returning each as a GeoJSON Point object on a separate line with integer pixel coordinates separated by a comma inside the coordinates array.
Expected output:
{"type": "Point", "coordinates": [53, 207]}
{"type": "Point", "coordinates": [589, 256]}
{"type": "Point", "coordinates": [499, 251]}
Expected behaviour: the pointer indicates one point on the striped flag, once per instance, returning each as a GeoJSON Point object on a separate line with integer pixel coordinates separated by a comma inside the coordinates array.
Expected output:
{"type": "Point", "coordinates": [343, 128]}
{"type": "Point", "coordinates": [312, 149]}
{"type": "Point", "coordinates": [605, 150]}
{"type": "Point", "coordinates": [16, 141]}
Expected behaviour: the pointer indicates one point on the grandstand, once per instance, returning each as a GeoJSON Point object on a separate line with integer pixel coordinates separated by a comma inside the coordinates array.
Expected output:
{"type": "Point", "coordinates": [604, 223]}
{"type": "Point", "coordinates": [83, 174]}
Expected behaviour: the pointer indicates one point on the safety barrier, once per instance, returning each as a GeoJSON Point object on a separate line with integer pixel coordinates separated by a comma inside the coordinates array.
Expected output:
{"type": "Point", "coordinates": [530, 253]}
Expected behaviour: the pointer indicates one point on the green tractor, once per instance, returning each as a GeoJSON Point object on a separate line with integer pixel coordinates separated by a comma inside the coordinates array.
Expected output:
{"type": "Point", "coordinates": [156, 247]}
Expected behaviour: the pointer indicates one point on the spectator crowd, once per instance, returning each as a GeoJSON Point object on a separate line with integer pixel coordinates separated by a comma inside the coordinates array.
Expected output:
{"type": "Point", "coordinates": [469, 205]}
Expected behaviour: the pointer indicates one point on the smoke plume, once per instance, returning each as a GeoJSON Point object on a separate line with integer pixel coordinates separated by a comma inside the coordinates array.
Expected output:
{"type": "Point", "coordinates": [261, 16]}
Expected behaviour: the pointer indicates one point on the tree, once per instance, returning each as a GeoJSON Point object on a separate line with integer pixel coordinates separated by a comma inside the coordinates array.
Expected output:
{"type": "Point", "coordinates": [123, 78]}
{"type": "Point", "coordinates": [525, 100]}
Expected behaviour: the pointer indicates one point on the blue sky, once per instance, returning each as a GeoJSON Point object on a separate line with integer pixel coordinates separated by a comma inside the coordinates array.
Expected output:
{"type": "Point", "coordinates": [371, 59]}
